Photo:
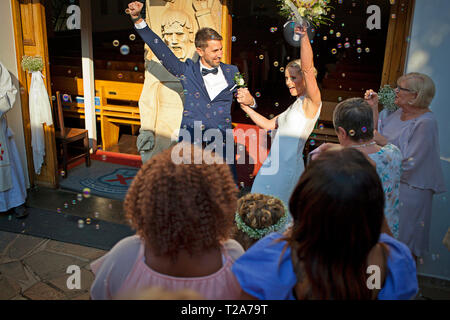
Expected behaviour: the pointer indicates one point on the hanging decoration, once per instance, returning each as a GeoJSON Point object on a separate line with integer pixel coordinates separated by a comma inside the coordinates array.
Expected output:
{"type": "Point", "coordinates": [40, 110]}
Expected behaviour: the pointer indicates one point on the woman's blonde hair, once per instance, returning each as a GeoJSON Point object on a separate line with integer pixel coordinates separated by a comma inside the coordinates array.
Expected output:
{"type": "Point", "coordinates": [423, 85]}
{"type": "Point", "coordinates": [297, 64]}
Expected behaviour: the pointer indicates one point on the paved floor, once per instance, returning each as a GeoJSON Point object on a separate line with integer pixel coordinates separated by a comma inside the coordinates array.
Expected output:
{"type": "Point", "coordinates": [34, 268]}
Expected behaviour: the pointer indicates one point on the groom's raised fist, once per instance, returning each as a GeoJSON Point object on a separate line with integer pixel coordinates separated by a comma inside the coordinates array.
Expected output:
{"type": "Point", "coordinates": [135, 8]}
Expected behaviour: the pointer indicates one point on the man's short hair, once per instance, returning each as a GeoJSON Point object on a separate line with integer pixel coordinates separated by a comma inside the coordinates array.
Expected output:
{"type": "Point", "coordinates": [204, 35]}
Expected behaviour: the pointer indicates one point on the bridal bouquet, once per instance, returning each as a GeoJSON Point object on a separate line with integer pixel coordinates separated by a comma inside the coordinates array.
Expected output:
{"type": "Point", "coordinates": [314, 11]}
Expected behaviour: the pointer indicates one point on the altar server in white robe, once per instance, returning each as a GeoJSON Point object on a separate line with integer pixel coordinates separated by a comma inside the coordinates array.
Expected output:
{"type": "Point", "coordinates": [12, 181]}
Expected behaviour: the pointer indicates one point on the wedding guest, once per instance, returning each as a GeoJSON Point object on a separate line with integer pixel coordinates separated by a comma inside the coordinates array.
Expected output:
{"type": "Point", "coordinates": [353, 122]}
{"type": "Point", "coordinates": [258, 215]}
{"type": "Point", "coordinates": [183, 212]}
{"type": "Point", "coordinates": [283, 166]}
{"type": "Point", "coordinates": [335, 241]}
{"type": "Point", "coordinates": [13, 192]}
{"type": "Point", "coordinates": [414, 129]}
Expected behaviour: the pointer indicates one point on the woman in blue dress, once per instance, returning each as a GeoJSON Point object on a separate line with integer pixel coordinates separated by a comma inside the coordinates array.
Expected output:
{"type": "Point", "coordinates": [336, 249]}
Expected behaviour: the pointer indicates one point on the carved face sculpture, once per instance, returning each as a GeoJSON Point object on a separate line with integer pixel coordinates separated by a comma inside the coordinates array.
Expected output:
{"type": "Point", "coordinates": [177, 33]}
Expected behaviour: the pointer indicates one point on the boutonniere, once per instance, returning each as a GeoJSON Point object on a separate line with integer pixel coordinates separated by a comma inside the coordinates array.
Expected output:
{"type": "Point", "coordinates": [239, 81]}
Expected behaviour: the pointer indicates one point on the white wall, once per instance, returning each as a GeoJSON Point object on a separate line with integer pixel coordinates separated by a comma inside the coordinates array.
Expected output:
{"type": "Point", "coordinates": [429, 53]}
{"type": "Point", "coordinates": [8, 58]}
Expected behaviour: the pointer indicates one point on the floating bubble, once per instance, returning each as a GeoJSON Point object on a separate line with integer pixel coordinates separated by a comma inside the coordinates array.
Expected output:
{"type": "Point", "coordinates": [276, 104]}
{"type": "Point", "coordinates": [358, 41]}
{"type": "Point", "coordinates": [62, 173]}
{"type": "Point", "coordinates": [250, 176]}
{"type": "Point", "coordinates": [340, 1]}
{"type": "Point", "coordinates": [74, 201]}
{"type": "Point", "coordinates": [271, 116]}
{"type": "Point", "coordinates": [124, 49]}
{"type": "Point", "coordinates": [343, 75]}
{"type": "Point", "coordinates": [339, 45]}
{"type": "Point", "coordinates": [258, 94]}
{"type": "Point", "coordinates": [261, 56]}
{"type": "Point", "coordinates": [227, 120]}
{"type": "Point", "coordinates": [136, 68]}
{"type": "Point", "coordinates": [333, 16]}
{"type": "Point", "coordinates": [80, 223]}
{"type": "Point", "coordinates": [127, 11]}
{"type": "Point", "coordinates": [331, 31]}
{"type": "Point", "coordinates": [339, 98]}
{"type": "Point", "coordinates": [334, 51]}
{"type": "Point", "coordinates": [116, 43]}
{"type": "Point", "coordinates": [420, 260]}
{"type": "Point", "coordinates": [208, 105]}
{"type": "Point", "coordinates": [321, 126]}
{"type": "Point", "coordinates": [97, 227]}
{"type": "Point", "coordinates": [88, 220]}
{"type": "Point", "coordinates": [86, 192]}
{"type": "Point", "coordinates": [96, 214]}
{"type": "Point", "coordinates": [58, 210]}
{"type": "Point", "coordinates": [66, 205]}
{"type": "Point", "coordinates": [338, 34]}
{"type": "Point", "coordinates": [156, 41]}
{"type": "Point", "coordinates": [351, 132]}
{"type": "Point", "coordinates": [185, 113]}
{"type": "Point", "coordinates": [197, 95]}
{"type": "Point", "coordinates": [393, 16]}
{"type": "Point", "coordinates": [364, 129]}
{"type": "Point", "coordinates": [325, 38]}
{"type": "Point", "coordinates": [233, 38]}
{"type": "Point", "coordinates": [132, 37]}
{"type": "Point", "coordinates": [288, 58]}
{"type": "Point", "coordinates": [312, 142]}
{"type": "Point", "coordinates": [242, 184]}
{"type": "Point", "coordinates": [79, 197]}
{"type": "Point", "coordinates": [343, 25]}
{"type": "Point", "coordinates": [367, 50]}
{"type": "Point", "coordinates": [273, 29]}
{"type": "Point", "coordinates": [275, 64]}
{"type": "Point", "coordinates": [69, 71]}
{"type": "Point", "coordinates": [347, 45]}
{"type": "Point", "coordinates": [359, 50]}
{"type": "Point", "coordinates": [66, 97]}
{"type": "Point", "coordinates": [120, 76]}
{"type": "Point", "coordinates": [10, 217]}
{"type": "Point", "coordinates": [104, 157]}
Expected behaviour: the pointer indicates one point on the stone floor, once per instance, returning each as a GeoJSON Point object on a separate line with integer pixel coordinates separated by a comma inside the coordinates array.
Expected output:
{"type": "Point", "coordinates": [34, 268]}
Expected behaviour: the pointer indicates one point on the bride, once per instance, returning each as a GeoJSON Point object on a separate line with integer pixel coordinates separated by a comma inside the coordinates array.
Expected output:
{"type": "Point", "coordinates": [284, 165]}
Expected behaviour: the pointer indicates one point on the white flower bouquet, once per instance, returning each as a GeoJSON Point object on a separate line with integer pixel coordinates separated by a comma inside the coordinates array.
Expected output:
{"type": "Point", "coordinates": [314, 11]}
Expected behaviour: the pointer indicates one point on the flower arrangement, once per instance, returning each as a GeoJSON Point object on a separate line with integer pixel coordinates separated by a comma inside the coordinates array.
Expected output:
{"type": "Point", "coordinates": [32, 64]}
{"type": "Point", "coordinates": [386, 97]}
{"type": "Point", "coordinates": [239, 80]}
{"type": "Point", "coordinates": [313, 11]}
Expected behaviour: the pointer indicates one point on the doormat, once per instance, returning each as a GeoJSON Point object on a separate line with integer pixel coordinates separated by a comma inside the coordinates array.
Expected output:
{"type": "Point", "coordinates": [66, 228]}
{"type": "Point", "coordinates": [104, 179]}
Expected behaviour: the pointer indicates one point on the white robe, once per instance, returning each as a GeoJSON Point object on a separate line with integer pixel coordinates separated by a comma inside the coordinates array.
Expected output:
{"type": "Point", "coordinates": [12, 181]}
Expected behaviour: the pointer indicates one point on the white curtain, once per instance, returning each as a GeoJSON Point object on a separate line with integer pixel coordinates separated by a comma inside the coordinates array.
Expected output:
{"type": "Point", "coordinates": [40, 113]}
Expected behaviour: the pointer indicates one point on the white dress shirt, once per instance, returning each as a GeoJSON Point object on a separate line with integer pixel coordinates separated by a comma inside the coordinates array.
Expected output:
{"type": "Point", "coordinates": [215, 83]}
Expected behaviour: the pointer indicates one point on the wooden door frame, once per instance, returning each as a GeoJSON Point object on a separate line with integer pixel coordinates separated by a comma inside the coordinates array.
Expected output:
{"type": "Point", "coordinates": [38, 45]}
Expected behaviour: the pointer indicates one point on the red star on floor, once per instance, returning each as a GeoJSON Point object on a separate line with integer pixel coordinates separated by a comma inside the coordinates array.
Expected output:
{"type": "Point", "coordinates": [121, 179]}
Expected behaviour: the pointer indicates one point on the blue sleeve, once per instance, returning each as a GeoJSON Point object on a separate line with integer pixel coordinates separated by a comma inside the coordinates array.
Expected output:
{"type": "Point", "coordinates": [160, 49]}
{"type": "Point", "coordinates": [401, 280]}
{"type": "Point", "coordinates": [263, 273]}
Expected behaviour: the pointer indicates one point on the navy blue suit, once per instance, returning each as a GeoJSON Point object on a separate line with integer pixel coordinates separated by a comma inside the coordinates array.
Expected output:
{"type": "Point", "coordinates": [214, 114]}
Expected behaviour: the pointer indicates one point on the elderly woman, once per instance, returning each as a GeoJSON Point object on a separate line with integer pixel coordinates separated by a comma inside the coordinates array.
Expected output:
{"type": "Point", "coordinates": [414, 129]}
{"type": "Point", "coordinates": [353, 122]}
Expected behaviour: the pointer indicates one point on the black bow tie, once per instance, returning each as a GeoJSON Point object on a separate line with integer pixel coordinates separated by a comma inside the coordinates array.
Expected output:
{"type": "Point", "coordinates": [206, 71]}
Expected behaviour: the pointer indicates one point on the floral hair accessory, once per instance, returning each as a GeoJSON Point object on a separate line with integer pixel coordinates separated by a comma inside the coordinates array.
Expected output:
{"type": "Point", "coordinates": [314, 11]}
{"type": "Point", "coordinates": [259, 233]}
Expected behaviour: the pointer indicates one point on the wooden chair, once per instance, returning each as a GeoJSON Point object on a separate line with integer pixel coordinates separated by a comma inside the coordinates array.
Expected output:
{"type": "Point", "coordinates": [65, 135]}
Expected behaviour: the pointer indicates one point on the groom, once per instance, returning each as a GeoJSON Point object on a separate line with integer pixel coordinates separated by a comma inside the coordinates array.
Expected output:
{"type": "Point", "coordinates": [208, 84]}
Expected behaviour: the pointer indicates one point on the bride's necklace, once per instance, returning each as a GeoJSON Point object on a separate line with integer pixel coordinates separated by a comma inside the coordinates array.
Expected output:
{"type": "Point", "coordinates": [363, 145]}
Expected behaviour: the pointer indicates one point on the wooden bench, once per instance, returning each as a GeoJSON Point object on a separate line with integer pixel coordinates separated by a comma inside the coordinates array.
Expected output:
{"type": "Point", "coordinates": [110, 115]}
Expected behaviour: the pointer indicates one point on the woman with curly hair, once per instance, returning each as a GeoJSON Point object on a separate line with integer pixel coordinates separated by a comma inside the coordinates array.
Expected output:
{"type": "Point", "coordinates": [335, 249]}
{"type": "Point", "coordinates": [182, 212]}
{"type": "Point", "coordinates": [257, 216]}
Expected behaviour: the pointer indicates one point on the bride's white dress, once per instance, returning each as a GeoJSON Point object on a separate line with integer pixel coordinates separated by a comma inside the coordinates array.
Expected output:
{"type": "Point", "coordinates": [284, 165]}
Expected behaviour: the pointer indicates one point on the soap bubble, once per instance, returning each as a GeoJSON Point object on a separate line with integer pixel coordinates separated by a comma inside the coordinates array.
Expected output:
{"type": "Point", "coordinates": [96, 214]}
{"type": "Point", "coordinates": [132, 37]}
{"type": "Point", "coordinates": [343, 75]}
{"type": "Point", "coordinates": [367, 50]}
{"type": "Point", "coordinates": [358, 41]}
{"type": "Point", "coordinates": [63, 173]}
{"type": "Point", "coordinates": [276, 104]}
{"type": "Point", "coordinates": [97, 227]}
{"type": "Point", "coordinates": [347, 45]}
{"type": "Point", "coordinates": [257, 94]}
{"type": "Point", "coordinates": [325, 38]}
{"type": "Point", "coordinates": [58, 210]}
{"type": "Point", "coordinates": [321, 126]}
{"type": "Point", "coordinates": [88, 220]}
{"type": "Point", "coordinates": [312, 142]}
{"type": "Point", "coordinates": [275, 64]}
{"type": "Point", "coordinates": [127, 11]}
{"type": "Point", "coordinates": [334, 51]}
{"type": "Point", "coordinates": [74, 202]}
{"type": "Point", "coordinates": [233, 38]}
{"type": "Point", "coordinates": [331, 31]}
{"type": "Point", "coordinates": [80, 224]}
{"type": "Point", "coordinates": [66, 205]}
{"type": "Point", "coordinates": [79, 197]}
{"type": "Point", "coordinates": [339, 45]}
{"type": "Point", "coordinates": [116, 43]}
{"type": "Point", "coordinates": [359, 50]}
{"type": "Point", "coordinates": [351, 132]}
{"type": "Point", "coordinates": [86, 192]}
{"type": "Point", "coordinates": [124, 49]}
{"type": "Point", "coordinates": [120, 76]}
{"type": "Point", "coordinates": [261, 57]}
{"type": "Point", "coordinates": [104, 157]}
{"type": "Point", "coordinates": [338, 34]}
